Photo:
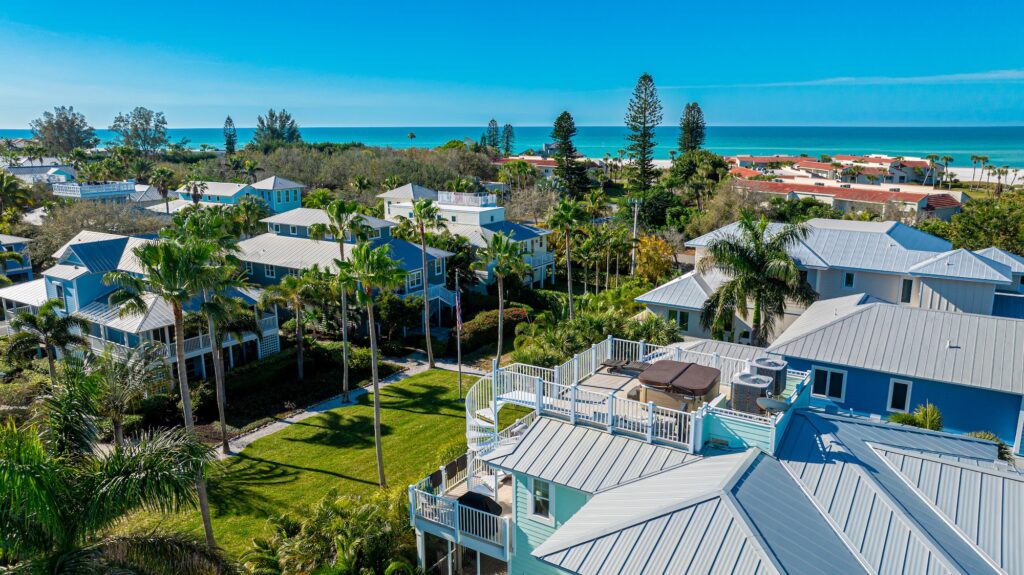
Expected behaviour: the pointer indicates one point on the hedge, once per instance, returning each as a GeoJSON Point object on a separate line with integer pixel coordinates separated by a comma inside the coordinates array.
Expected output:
{"type": "Point", "coordinates": [483, 329]}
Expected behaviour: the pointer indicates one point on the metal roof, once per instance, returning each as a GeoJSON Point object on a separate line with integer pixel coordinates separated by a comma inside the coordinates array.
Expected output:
{"type": "Point", "coordinates": [228, 189]}
{"type": "Point", "coordinates": [289, 252]}
{"type": "Point", "coordinates": [1015, 262]}
{"type": "Point", "coordinates": [409, 192]}
{"type": "Point", "coordinates": [7, 239]}
{"type": "Point", "coordinates": [516, 231]}
{"type": "Point", "coordinates": [65, 271]}
{"type": "Point", "coordinates": [963, 265]}
{"type": "Point", "coordinates": [158, 314]}
{"type": "Point", "coordinates": [276, 183]}
{"type": "Point", "coordinates": [890, 527]}
{"type": "Point", "coordinates": [723, 348]}
{"type": "Point", "coordinates": [306, 217]}
{"type": "Point", "coordinates": [583, 458]}
{"type": "Point", "coordinates": [687, 291]}
{"type": "Point", "coordinates": [952, 347]}
{"type": "Point", "coordinates": [31, 293]}
{"type": "Point", "coordinates": [175, 206]}
{"type": "Point", "coordinates": [101, 256]}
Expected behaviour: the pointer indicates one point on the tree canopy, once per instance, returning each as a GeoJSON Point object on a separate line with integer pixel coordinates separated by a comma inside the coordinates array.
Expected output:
{"type": "Point", "coordinates": [691, 128]}
{"type": "Point", "coordinates": [61, 131]}
{"type": "Point", "coordinates": [570, 172]}
{"type": "Point", "coordinates": [275, 129]}
{"type": "Point", "coordinates": [141, 129]}
{"type": "Point", "coordinates": [642, 117]}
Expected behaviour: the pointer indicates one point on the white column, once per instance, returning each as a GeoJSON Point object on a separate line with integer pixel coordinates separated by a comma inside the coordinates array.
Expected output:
{"type": "Point", "coordinates": [1018, 440]}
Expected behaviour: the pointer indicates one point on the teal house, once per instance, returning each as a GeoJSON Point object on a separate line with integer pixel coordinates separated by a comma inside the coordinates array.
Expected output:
{"type": "Point", "coordinates": [278, 193]}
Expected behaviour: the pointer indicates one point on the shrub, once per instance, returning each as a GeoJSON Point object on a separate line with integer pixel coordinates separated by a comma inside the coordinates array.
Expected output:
{"type": "Point", "coordinates": [1005, 451]}
{"type": "Point", "coordinates": [483, 329]}
{"type": "Point", "coordinates": [20, 392]}
{"type": "Point", "coordinates": [159, 410]}
{"type": "Point", "coordinates": [926, 416]}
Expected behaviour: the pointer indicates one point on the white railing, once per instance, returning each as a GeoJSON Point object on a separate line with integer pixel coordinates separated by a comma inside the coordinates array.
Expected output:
{"type": "Point", "coordinates": [433, 292]}
{"type": "Point", "coordinates": [533, 371]}
{"type": "Point", "coordinates": [539, 259]}
{"type": "Point", "coordinates": [79, 190]}
{"type": "Point", "coordinates": [463, 521]}
{"type": "Point", "coordinates": [463, 199]}
{"type": "Point", "coordinates": [268, 324]}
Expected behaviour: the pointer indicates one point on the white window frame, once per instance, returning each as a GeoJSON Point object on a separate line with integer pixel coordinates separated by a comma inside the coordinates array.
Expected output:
{"type": "Point", "coordinates": [888, 402]}
{"type": "Point", "coordinates": [293, 230]}
{"type": "Point", "coordinates": [910, 296]}
{"type": "Point", "coordinates": [439, 266]}
{"type": "Point", "coordinates": [248, 267]}
{"type": "Point", "coordinates": [830, 370]}
{"type": "Point", "coordinates": [853, 280]}
{"type": "Point", "coordinates": [409, 283]}
{"type": "Point", "coordinates": [277, 228]}
{"type": "Point", "coordinates": [550, 519]}
{"type": "Point", "coordinates": [269, 271]}
{"type": "Point", "coordinates": [373, 233]}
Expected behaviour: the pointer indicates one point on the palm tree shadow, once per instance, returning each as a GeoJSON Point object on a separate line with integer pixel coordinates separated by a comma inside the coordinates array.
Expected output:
{"type": "Point", "coordinates": [233, 489]}
{"type": "Point", "coordinates": [428, 399]}
{"type": "Point", "coordinates": [342, 431]}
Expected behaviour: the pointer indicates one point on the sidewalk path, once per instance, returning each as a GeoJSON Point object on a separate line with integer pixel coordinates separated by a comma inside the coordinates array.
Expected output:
{"type": "Point", "coordinates": [415, 363]}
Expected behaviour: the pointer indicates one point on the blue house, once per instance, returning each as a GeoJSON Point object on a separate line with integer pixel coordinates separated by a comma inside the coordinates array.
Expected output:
{"type": "Point", "coordinates": [875, 358]}
{"type": "Point", "coordinates": [76, 280]}
{"type": "Point", "coordinates": [16, 271]}
{"type": "Point", "coordinates": [279, 194]}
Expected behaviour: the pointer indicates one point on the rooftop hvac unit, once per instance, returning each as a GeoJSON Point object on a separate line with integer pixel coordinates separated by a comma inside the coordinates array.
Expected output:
{"type": "Point", "coordinates": [774, 368]}
{"type": "Point", "coordinates": [845, 186]}
{"type": "Point", "coordinates": [746, 388]}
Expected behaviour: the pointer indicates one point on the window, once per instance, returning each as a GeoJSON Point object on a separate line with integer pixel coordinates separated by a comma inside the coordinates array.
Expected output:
{"type": "Point", "coordinates": [492, 218]}
{"type": "Point", "coordinates": [830, 383]}
{"type": "Point", "coordinates": [438, 266]}
{"type": "Point", "coordinates": [453, 218]}
{"type": "Point", "coordinates": [848, 280]}
{"type": "Point", "coordinates": [279, 196]}
{"type": "Point", "coordinates": [277, 228]}
{"type": "Point", "coordinates": [680, 318]}
{"type": "Point", "coordinates": [415, 279]}
{"type": "Point", "coordinates": [540, 499]}
{"type": "Point", "coordinates": [373, 233]}
{"type": "Point", "coordinates": [803, 277]}
{"type": "Point", "coordinates": [293, 230]}
{"type": "Point", "coordinates": [908, 285]}
{"type": "Point", "coordinates": [899, 395]}
{"type": "Point", "coordinates": [248, 268]}
{"type": "Point", "coordinates": [269, 271]}
{"type": "Point", "coordinates": [60, 295]}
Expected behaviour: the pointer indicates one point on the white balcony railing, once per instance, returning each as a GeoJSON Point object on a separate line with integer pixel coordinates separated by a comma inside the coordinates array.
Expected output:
{"type": "Point", "coordinates": [539, 259]}
{"type": "Point", "coordinates": [462, 199]}
{"type": "Point", "coordinates": [433, 292]}
{"type": "Point", "coordinates": [79, 190]}
{"type": "Point", "coordinates": [268, 324]}
{"type": "Point", "coordinates": [467, 526]}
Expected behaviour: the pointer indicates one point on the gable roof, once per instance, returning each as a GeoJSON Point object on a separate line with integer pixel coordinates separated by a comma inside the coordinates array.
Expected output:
{"type": "Point", "coordinates": [289, 252]}
{"type": "Point", "coordinates": [222, 189]}
{"type": "Point", "coordinates": [31, 293]}
{"type": "Point", "coordinates": [306, 217]}
{"type": "Point", "coordinates": [409, 192]}
{"type": "Point", "coordinates": [1013, 261]}
{"type": "Point", "coordinates": [516, 231]}
{"type": "Point", "coordinates": [687, 291]}
{"type": "Point", "coordinates": [7, 239]}
{"type": "Point", "coordinates": [583, 458]}
{"type": "Point", "coordinates": [100, 256]}
{"type": "Point", "coordinates": [962, 264]}
{"type": "Point", "coordinates": [841, 463]}
{"type": "Point", "coordinates": [276, 183]}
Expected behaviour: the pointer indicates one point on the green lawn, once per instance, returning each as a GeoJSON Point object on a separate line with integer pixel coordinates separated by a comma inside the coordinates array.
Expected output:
{"type": "Point", "coordinates": [295, 467]}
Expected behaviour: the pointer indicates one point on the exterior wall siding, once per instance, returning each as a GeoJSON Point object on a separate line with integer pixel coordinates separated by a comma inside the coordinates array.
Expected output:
{"type": "Point", "coordinates": [963, 408]}
{"type": "Point", "coordinates": [529, 534]}
{"type": "Point", "coordinates": [967, 297]}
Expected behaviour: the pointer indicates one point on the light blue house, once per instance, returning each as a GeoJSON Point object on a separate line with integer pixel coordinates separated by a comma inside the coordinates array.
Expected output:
{"type": "Point", "coordinates": [594, 483]}
{"type": "Point", "coordinates": [279, 193]}
{"type": "Point", "coordinates": [16, 271]}
{"type": "Point", "coordinates": [76, 280]}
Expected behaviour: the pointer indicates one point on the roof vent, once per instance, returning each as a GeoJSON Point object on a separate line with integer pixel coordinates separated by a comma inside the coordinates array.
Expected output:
{"type": "Point", "coordinates": [951, 345]}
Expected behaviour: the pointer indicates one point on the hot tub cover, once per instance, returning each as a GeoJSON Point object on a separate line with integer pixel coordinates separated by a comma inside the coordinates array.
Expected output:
{"type": "Point", "coordinates": [662, 373]}
{"type": "Point", "coordinates": [680, 377]}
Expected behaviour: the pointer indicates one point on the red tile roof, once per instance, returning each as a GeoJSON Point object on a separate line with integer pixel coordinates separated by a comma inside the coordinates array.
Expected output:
{"type": "Point", "coordinates": [915, 164]}
{"type": "Point", "coordinates": [869, 171]}
{"type": "Point", "coordinates": [744, 172]}
{"type": "Point", "coordinates": [848, 194]}
{"type": "Point", "coordinates": [863, 159]}
{"type": "Point", "coordinates": [769, 159]}
{"type": "Point", "coordinates": [936, 201]}
{"type": "Point", "coordinates": [814, 165]}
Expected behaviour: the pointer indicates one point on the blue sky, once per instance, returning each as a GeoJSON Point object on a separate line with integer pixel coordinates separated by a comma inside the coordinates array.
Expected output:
{"type": "Point", "coordinates": [460, 63]}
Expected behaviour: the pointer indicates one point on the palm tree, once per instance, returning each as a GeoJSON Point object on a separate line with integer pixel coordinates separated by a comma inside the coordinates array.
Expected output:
{"type": "Point", "coordinates": [250, 168]}
{"type": "Point", "coordinates": [175, 273]}
{"type": "Point", "coordinates": [5, 257]}
{"type": "Point", "coordinates": [359, 184]}
{"type": "Point", "coordinates": [425, 215]}
{"type": "Point", "coordinates": [295, 292]}
{"type": "Point", "coordinates": [318, 199]}
{"type": "Point", "coordinates": [141, 169]}
{"type": "Point", "coordinates": [195, 188]}
{"type": "Point", "coordinates": [983, 160]}
{"type": "Point", "coordinates": [974, 168]}
{"type": "Point", "coordinates": [945, 171]}
{"type": "Point", "coordinates": [505, 258]}
{"type": "Point", "coordinates": [391, 182]}
{"type": "Point", "coordinates": [932, 158]}
{"type": "Point", "coordinates": [12, 192]}
{"type": "Point", "coordinates": [246, 216]}
{"type": "Point", "coordinates": [373, 269]}
{"type": "Point", "coordinates": [163, 179]}
{"type": "Point", "coordinates": [461, 185]}
{"type": "Point", "coordinates": [47, 330]}
{"type": "Point", "coordinates": [760, 271]}
{"type": "Point", "coordinates": [344, 221]}
{"type": "Point", "coordinates": [566, 217]}
{"type": "Point", "coordinates": [124, 379]}
{"type": "Point", "coordinates": [62, 495]}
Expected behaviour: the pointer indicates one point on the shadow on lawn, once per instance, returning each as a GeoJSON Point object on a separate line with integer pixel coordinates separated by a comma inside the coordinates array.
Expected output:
{"type": "Point", "coordinates": [429, 399]}
{"type": "Point", "coordinates": [234, 490]}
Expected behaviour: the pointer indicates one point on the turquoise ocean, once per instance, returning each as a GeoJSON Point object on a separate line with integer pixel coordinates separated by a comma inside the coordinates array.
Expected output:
{"type": "Point", "coordinates": [1003, 145]}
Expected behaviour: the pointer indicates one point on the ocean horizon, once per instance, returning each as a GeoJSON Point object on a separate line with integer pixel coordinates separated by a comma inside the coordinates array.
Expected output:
{"type": "Point", "coordinates": [1004, 145]}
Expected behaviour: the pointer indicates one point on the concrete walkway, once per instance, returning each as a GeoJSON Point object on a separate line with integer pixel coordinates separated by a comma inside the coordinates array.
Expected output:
{"type": "Point", "coordinates": [415, 363]}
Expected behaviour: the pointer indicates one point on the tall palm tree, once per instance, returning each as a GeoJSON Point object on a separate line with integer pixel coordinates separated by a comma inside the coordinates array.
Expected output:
{"type": "Point", "coordinates": [359, 184]}
{"type": "Point", "coordinates": [505, 258]}
{"type": "Point", "coordinates": [5, 257]}
{"type": "Point", "coordinates": [566, 218]}
{"type": "Point", "coordinates": [46, 330]}
{"type": "Point", "coordinates": [932, 159]}
{"type": "Point", "coordinates": [344, 223]}
{"type": "Point", "coordinates": [945, 171]}
{"type": "Point", "coordinates": [124, 379]}
{"type": "Point", "coordinates": [426, 215]}
{"type": "Point", "coordinates": [373, 269]}
{"type": "Point", "coordinates": [974, 168]}
{"type": "Point", "coordinates": [175, 273]}
{"type": "Point", "coordinates": [983, 160]}
{"type": "Point", "coordinates": [294, 292]}
{"type": "Point", "coordinates": [246, 216]}
{"type": "Point", "coordinates": [761, 273]}
{"type": "Point", "coordinates": [195, 189]}
{"type": "Point", "coordinates": [62, 495]}
{"type": "Point", "coordinates": [163, 179]}
{"type": "Point", "coordinates": [12, 192]}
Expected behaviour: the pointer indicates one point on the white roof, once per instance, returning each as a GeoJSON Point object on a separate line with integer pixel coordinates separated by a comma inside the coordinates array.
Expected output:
{"type": "Point", "coordinates": [65, 271]}
{"type": "Point", "coordinates": [963, 265]}
{"type": "Point", "coordinates": [306, 217]}
{"type": "Point", "coordinates": [409, 192]}
{"type": "Point", "coordinates": [688, 291]}
{"type": "Point", "coordinates": [276, 183]}
{"type": "Point", "coordinates": [145, 193]}
{"type": "Point", "coordinates": [723, 348]}
{"type": "Point", "coordinates": [31, 293]}
{"type": "Point", "coordinates": [174, 206]}
{"type": "Point", "coordinates": [6, 239]}
{"type": "Point", "coordinates": [952, 347]}
{"type": "Point", "coordinates": [228, 189]}
{"type": "Point", "coordinates": [158, 314]}
{"type": "Point", "coordinates": [1015, 262]}
{"type": "Point", "coordinates": [288, 252]}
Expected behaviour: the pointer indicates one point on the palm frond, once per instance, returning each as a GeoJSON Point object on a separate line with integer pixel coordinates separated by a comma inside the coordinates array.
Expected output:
{"type": "Point", "coordinates": [159, 554]}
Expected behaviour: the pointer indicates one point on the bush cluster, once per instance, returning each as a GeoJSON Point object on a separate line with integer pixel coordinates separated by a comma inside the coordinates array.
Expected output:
{"type": "Point", "coordinates": [483, 329]}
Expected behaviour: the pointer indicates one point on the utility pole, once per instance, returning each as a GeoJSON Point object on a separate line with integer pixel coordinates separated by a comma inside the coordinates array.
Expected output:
{"type": "Point", "coordinates": [635, 202]}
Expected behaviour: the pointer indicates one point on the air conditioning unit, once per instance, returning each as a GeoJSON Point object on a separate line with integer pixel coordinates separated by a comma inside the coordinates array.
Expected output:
{"type": "Point", "coordinates": [819, 183]}
{"type": "Point", "coordinates": [746, 388]}
{"type": "Point", "coordinates": [774, 368]}
{"type": "Point", "coordinates": [845, 186]}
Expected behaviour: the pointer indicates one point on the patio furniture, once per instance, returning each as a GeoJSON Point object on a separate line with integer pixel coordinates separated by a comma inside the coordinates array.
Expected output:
{"type": "Point", "coordinates": [635, 366]}
{"type": "Point", "coordinates": [614, 365]}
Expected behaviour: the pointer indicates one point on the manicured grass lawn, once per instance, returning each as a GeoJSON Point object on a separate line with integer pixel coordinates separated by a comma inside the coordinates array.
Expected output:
{"type": "Point", "coordinates": [294, 468]}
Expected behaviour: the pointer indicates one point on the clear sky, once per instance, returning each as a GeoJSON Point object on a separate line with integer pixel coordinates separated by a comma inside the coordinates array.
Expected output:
{"type": "Point", "coordinates": [429, 63]}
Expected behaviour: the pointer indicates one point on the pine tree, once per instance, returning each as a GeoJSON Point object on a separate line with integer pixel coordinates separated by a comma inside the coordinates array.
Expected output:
{"type": "Point", "coordinates": [691, 128]}
{"type": "Point", "coordinates": [508, 139]}
{"type": "Point", "coordinates": [570, 173]}
{"type": "Point", "coordinates": [493, 138]}
{"type": "Point", "coordinates": [230, 136]}
{"type": "Point", "coordinates": [642, 116]}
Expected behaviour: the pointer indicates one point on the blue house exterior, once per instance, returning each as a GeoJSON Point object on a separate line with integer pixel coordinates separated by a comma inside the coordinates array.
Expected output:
{"type": "Point", "coordinates": [15, 271]}
{"type": "Point", "coordinates": [875, 358]}
{"type": "Point", "coordinates": [279, 194]}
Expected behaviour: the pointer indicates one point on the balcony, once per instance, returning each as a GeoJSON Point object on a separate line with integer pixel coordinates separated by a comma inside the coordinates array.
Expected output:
{"type": "Point", "coordinates": [87, 191]}
{"type": "Point", "coordinates": [539, 259]}
{"type": "Point", "coordinates": [471, 200]}
{"type": "Point", "coordinates": [194, 346]}
{"type": "Point", "coordinates": [433, 292]}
